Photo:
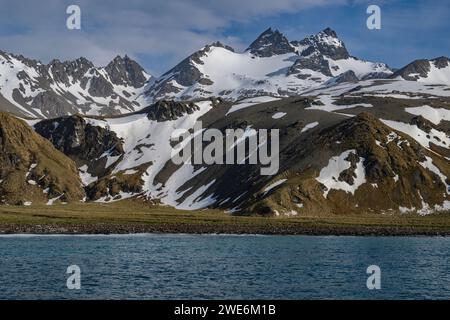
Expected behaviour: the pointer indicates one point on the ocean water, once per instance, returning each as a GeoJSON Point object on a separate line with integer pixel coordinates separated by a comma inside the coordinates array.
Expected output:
{"type": "Point", "coordinates": [223, 267]}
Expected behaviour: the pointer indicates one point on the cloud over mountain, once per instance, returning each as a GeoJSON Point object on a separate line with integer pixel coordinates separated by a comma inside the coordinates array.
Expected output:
{"type": "Point", "coordinates": [138, 28]}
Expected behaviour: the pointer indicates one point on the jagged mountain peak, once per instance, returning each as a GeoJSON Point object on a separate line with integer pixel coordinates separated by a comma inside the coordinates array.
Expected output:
{"type": "Point", "coordinates": [326, 43]}
{"type": "Point", "coordinates": [81, 61]}
{"type": "Point", "coordinates": [32, 89]}
{"type": "Point", "coordinates": [329, 32]}
{"type": "Point", "coordinates": [61, 71]}
{"type": "Point", "coordinates": [125, 71]}
{"type": "Point", "coordinates": [270, 42]}
{"type": "Point", "coordinates": [8, 57]}
{"type": "Point", "coordinates": [269, 32]}
{"type": "Point", "coordinates": [120, 58]}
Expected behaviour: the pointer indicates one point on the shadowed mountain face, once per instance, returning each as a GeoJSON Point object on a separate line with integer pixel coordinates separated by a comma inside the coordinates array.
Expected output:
{"type": "Point", "coordinates": [126, 72]}
{"type": "Point", "coordinates": [270, 43]}
{"type": "Point", "coordinates": [80, 139]}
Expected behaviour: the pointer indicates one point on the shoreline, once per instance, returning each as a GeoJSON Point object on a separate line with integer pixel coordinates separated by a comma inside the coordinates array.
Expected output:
{"type": "Point", "coordinates": [195, 229]}
{"type": "Point", "coordinates": [137, 218]}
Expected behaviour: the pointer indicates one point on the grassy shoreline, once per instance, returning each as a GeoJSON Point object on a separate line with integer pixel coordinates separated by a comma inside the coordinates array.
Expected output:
{"type": "Point", "coordinates": [130, 218]}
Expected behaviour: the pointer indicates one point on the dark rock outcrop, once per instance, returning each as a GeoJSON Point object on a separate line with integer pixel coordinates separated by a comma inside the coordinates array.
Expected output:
{"type": "Point", "coordinates": [348, 76]}
{"type": "Point", "coordinates": [78, 139]}
{"type": "Point", "coordinates": [326, 43]}
{"type": "Point", "coordinates": [314, 62]}
{"type": "Point", "coordinates": [165, 110]}
{"type": "Point", "coordinates": [125, 71]}
{"type": "Point", "coordinates": [270, 43]}
{"type": "Point", "coordinates": [413, 71]}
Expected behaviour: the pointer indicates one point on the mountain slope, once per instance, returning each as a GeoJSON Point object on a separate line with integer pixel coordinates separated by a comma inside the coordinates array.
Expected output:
{"type": "Point", "coordinates": [32, 171]}
{"type": "Point", "coordinates": [32, 89]}
{"type": "Point", "coordinates": [353, 136]}
{"type": "Point", "coordinates": [435, 71]}
{"type": "Point", "coordinates": [372, 146]}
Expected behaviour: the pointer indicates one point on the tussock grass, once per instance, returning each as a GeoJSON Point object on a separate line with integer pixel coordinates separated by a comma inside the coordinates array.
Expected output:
{"type": "Point", "coordinates": [128, 214]}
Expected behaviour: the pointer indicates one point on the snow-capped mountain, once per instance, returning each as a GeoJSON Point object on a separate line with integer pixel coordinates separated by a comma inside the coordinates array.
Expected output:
{"type": "Point", "coordinates": [271, 65]}
{"type": "Point", "coordinates": [32, 89]}
{"type": "Point", "coordinates": [435, 71]}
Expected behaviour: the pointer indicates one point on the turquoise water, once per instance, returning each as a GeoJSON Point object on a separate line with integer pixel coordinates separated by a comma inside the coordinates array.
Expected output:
{"type": "Point", "coordinates": [223, 267]}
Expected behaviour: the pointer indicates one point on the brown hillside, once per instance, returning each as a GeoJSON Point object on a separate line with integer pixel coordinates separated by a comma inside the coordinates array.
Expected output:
{"type": "Point", "coordinates": [31, 169]}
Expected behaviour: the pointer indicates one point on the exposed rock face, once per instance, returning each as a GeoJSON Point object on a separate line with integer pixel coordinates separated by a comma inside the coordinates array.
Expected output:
{"type": "Point", "coordinates": [376, 75]}
{"type": "Point", "coordinates": [269, 43]}
{"type": "Point", "coordinates": [100, 87]}
{"type": "Point", "coordinates": [96, 150]}
{"type": "Point", "coordinates": [166, 110]}
{"type": "Point", "coordinates": [422, 123]}
{"type": "Point", "coordinates": [326, 43]}
{"type": "Point", "coordinates": [112, 186]}
{"type": "Point", "coordinates": [348, 76]}
{"type": "Point", "coordinates": [414, 70]}
{"type": "Point", "coordinates": [50, 103]}
{"type": "Point", "coordinates": [91, 146]}
{"type": "Point", "coordinates": [345, 146]}
{"type": "Point", "coordinates": [32, 171]}
{"type": "Point", "coordinates": [441, 62]}
{"type": "Point", "coordinates": [80, 140]}
{"type": "Point", "coordinates": [314, 62]}
{"type": "Point", "coordinates": [66, 71]}
{"type": "Point", "coordinates": [126, 72]}
{"type": "Point", "coordinates": [185, 73]}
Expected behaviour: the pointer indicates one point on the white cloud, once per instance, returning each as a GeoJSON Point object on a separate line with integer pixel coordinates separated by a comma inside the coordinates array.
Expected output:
{"type": "Point", "coordinates": [174, 28]}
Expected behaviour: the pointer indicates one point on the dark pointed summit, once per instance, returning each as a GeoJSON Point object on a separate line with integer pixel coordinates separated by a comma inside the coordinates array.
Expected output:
{"type": "Point", "coordinates": [269, 43]}
{"type": "Point", "coordinates": [62, 71]}
{"type": "Point", "coordinates": [329, 32]}
{"type": "Point", "coordinates": [125, 71]}
{"type": "Point", "coordinates": [326, 43]}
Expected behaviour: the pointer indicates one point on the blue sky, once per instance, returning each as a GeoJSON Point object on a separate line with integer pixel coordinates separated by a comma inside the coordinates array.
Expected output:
{"type": "Point", "coordinates": [159, 33]}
